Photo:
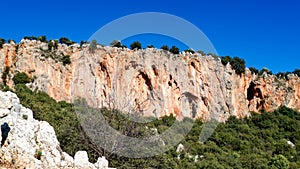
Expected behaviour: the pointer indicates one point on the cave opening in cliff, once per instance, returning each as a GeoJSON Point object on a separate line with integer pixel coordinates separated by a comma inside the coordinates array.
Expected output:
{"type": "Point", "coordinates": [251, 91]}
{"type": "Point", "coordinates": [193, 64]}
{"type": "Point", "coordinates": [147, 80]}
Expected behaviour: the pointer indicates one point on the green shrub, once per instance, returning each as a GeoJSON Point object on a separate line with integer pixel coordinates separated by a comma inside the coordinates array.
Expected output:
{"type": "Point", "coordinates": [201, 52]}
{"type": "Point", "coordinates": [25, 116]}
{"type": "Point", "coordinates": [236, 63]}
{"type": "Point", "coordinates": [11, 40]}
{"type": "Point", "coordinates": [66, 60]}
{"type": "Point", "coordinates": [150, 46]}
{"type": "Point", "coordinates": [190, 50]}
{"type": "Point", "coordinates": [5, 74]}
{"type": "Point", "coordinates": [164, 47]}
{"type": "Point", "coordinates": [280, 162]}
{"type": "Point", "coordinates": [38, 154]}
{"type": "Point", "coordinates": [253, 70]}
{"type": "Point", "coordinates": [53, 45]}
{"type": "Point", "coordinates": [93, 46]}
{"type": "Point", "coordinates": [297, 72]}
{"type": "Point", "coordinates": [283, 75]}
{"type": "Point", "coordinates": [225, 60]}
{"type": "Point", "coordinates": [116, 43]}
{"type": "Point", "coordinates": [2, 42]}
{"type": "Point", "coordinates": [64, 40]}
{"type": "Point", "coordinates": [82, 43]}
{"type": "Point", "coordinates": [261, 72]}
{"type": "Point", "coordinates": [30, 38]}
{"type": "Point", "coordinates": [174, 50]}
{"type": "Point", "coordinates": [21, 78]}
{"type": "Point", "coordinates": [136, 45]}
{"type": "Point", "coordinates": [42, 39]}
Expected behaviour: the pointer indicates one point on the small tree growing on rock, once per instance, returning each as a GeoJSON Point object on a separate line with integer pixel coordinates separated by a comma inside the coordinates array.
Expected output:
{"type": "Point", "coordinates": [42, 39]}
{"type": "Point", "coordinates": [2, 41]}
{"type": "Point", "coordinates": [93, 46]}
{"type": "Point", "coordinates": [136, 45]}
{"type": "Point", "coordinates": [150, 46]}
{"type": "Point", "coordinates": [116, 43]}
{"type": "Point", "coordinates": [66, 60]}
{"type": "Point", "coordinates": [164, 47]}
{"type": "Point", "coordinates": [174, 50]}
{"type": "Point", "coordinates": [297, 72]}
{"type": "Point", "coordinates": [21, 78]}
{"type": "Point", "coordinates": [66, 41]}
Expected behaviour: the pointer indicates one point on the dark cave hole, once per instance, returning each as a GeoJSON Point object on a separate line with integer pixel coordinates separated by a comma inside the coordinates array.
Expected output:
{"type": "Point", "coordinates": [147, 80]}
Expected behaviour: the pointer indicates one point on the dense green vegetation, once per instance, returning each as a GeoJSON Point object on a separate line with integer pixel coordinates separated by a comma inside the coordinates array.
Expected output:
{"type": "Point", "coordinates": [297, 72]}
{"type": "Point", "coordinates": [60, 115]}
{"type": "Point", "coordinates": [260, 141]}
{"type": "Point", "coordinates": [192, 51]}
{"type": "Point", "coordinates": [2, 42]}
{"type": "Point", "coordinates": [150, 46]}
{"type": "Point", "coordinates": [116, 43]}
{"type": "Point", "coordinates": [21, 78]}
{"type": "Point", "coordinates": [236, 63]}
{"type": "Point", "coordinates": [64, 40]}
{"type": "Point", "coordinates": [66, 60]}
{"type": "Point", "coordinates": [165, 47]}
{"type": "Point", "coordinates": [136, 45]}
{"type": "Point", "coordinates": [40, 38]}
{"type": "Point", "coordinates": [174, 50]}
{"type": "Point", "coordinates": [5, 75]}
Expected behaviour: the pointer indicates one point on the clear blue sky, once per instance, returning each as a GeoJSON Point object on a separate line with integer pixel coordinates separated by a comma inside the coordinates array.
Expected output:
{"type": "Point", "coordinates": [264, 33]}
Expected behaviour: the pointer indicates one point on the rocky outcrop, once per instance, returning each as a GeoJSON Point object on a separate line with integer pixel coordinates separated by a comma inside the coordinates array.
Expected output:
{"type": "Point", "coordinates": [151, 82]}
{"type": "Point", "coordinates": [33, 144]}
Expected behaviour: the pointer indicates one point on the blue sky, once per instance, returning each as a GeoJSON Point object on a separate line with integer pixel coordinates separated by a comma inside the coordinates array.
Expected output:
{"type": "Point", "coordinates": [264, 33]}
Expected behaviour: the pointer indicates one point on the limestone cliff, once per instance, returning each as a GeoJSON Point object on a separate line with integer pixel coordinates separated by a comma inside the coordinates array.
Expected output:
{"type": "Point", "coordinates": [150, 81]}
{"type": "Point", "coordinates": [32, 143]}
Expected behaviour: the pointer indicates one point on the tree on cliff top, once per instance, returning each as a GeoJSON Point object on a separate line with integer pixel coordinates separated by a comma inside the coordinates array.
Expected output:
{"type": "Point", "coordinates": [136, 45]}
{"type": "Point", "coordinates": [236, 63]}
{"type": "Point", "coordinates": [174, 50]}
{"type": "Point", "coordinates": [164, 47]}
{"type": "Point", "coordinates": [2, 41]}
{"type": "Point", "coordinates": [64, 40]}
{"type": "Point", "coordinates": [297, 72]}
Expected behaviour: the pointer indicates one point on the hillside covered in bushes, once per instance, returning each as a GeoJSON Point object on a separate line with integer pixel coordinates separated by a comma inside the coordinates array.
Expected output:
{"type": "Point", "coordinates": [265, 140]}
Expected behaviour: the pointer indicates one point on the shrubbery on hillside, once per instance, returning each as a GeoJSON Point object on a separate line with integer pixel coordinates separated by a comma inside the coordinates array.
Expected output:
{"type": "Point", "coordinates": [21, 78]}
{"type": "Point", "coordinates": [260, 141]}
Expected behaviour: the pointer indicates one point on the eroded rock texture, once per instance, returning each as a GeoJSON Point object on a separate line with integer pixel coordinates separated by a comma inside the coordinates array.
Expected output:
{"type": "Point", "coordinates": [151, 82]}
{"type": "Point", "coordinates": [32, 143]}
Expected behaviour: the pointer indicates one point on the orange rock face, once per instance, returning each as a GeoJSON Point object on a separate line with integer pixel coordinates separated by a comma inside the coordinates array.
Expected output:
{"type": "Point", "coordinates": [150, 82]}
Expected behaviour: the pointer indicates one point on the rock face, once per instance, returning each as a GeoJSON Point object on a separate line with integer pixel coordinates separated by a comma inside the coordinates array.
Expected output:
{"type": "Point", "coordinates": [151, 82]}
{"type": "Point", "coordinates": [33, 144]}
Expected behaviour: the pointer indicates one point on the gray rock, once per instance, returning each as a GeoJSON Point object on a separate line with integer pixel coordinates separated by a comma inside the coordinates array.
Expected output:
{"type": "Point", "coordinates": [32, 143]}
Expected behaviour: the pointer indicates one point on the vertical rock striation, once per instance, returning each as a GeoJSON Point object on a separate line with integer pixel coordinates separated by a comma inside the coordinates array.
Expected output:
{"type": "Point", "coordinates": [151, 82]}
